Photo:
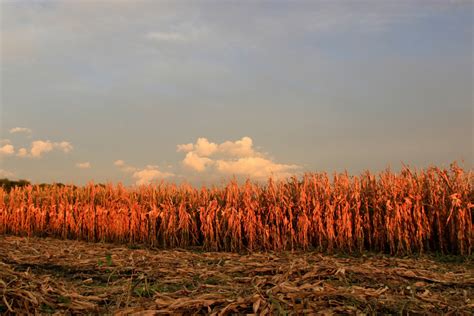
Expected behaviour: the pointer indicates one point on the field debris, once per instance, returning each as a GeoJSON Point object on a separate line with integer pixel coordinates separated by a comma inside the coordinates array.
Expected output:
{"type": "Point", "coordinates": [51, 276]}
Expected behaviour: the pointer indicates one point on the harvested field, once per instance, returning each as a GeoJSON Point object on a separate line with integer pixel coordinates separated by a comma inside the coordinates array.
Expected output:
{"type": "Point", "coordinates": [60, 276]}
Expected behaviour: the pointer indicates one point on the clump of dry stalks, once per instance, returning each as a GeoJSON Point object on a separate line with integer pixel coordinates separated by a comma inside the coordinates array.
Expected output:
{"type": "Point", "coordinates": [408, 212]}
{"type": "Point", "coordinates": [28, 292]}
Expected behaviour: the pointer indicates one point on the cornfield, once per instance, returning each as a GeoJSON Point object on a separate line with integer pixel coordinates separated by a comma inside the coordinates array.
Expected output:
{"type": "Point", "coordinates": [398, 213]}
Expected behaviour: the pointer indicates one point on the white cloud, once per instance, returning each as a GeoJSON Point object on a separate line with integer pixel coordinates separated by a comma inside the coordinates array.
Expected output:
{"type": "Point", "coordinates": [167, 36]}
{"type": "Point", "coordinates": [39, 147]}
{"type": "Point", "coordinates": [124, 167]}
{"type": "Point", "coordinates": [237, 158]}
{"type": "Point", "coordinates": [204, 148]}
{"type": "Point", "coordinates": [22, 152]}
{"type": "Point", "coordinates": [64, 146]}
{"type": "Point", "coordinates": [20, 130]}
{"type": "Point", "coordinates": [240, 148]}
{"type": "Point", "coordinates": [149, 174]}
{"type": "Point", "coordinates": [256, 168]}
{"type": "Point", "coordinates": [185, 147]}
{"type": "Point", "coordinates": [119, 163]}
{"type": "Point", "coordinates": [143, 176]}
{"type": "Point", "coordinates": [6, 174]}
{"type": "Point", "coordinates": [83, 165]}
{"type": "Point", "coordinates": [196, 162]}
{"type": "Point", "coordinates": [129, 169]}
{"type": "Point", "coordinates": [7, 150]}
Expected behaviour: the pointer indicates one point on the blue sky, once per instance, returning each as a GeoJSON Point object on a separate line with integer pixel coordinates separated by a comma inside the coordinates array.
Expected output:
{"type": "Point", "coordinates": [107, 90]}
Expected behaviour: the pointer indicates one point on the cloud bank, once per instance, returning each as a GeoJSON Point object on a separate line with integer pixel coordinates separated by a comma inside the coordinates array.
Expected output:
{"type": "Point", "coordinates": [230, 158]}
{"type": "Point", "coordinates": [7, 150]}
{"type": "Point", "coordinates": [40, 147]}
{"type": "Point", "coordinates": [145, 175]}
{"type": "Point", "coordinates": [22, 152]}
{"type": "Point", "coordinates": [17, 130]}
{"type": "Point", "coordinates": [149, 174]}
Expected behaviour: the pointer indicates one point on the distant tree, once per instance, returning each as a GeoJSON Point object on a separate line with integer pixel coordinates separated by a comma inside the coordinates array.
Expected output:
{"type": "Point", "coordinates": [7, 184]}
{"type": "Point", "coordinates": [55, 184]}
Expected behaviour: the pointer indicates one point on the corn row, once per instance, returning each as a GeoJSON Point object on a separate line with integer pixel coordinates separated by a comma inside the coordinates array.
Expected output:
{"type": "Point", "coordinates": [405, 213]}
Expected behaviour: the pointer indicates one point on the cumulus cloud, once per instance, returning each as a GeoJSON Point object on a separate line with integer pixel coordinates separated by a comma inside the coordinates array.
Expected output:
{"type": "Point", "coordinates": [185, 147]}
{"type": "Point", "coordinates": [149, 174]}
{"type": "Point", "coordinates": [40, 147]}
{"type": "Point", "coordinates": [20, 130]}
{"type": "Point", "coordinates": [7, 150]}
{"type": "Point", "coordinates": [143, 176]}
{"type": "Point", "coordinates": [196, 162]}
{"type": "Point", "coordinates": [22, 152]}
{"type": "Point", "coordinates": [83, 165]}
{"type": "Point", "coordinates": [63, 146]}
{"type": "Point", "coordinates": [237, 158]}
{"type": "Point", "coordinates": [256, 167]}
{"type": "Point", "coordinates": [204, 148]}
{"type": "Point", "coordinates": [119, 163]}
{"type": "Point", "coordinates": [240, 148]}
{"type": "Point", "coordinates": [124, 167]}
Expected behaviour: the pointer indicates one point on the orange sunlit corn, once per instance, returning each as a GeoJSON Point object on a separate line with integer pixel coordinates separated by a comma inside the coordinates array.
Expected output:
{"type": "Point", "coordinates": [399, 213]}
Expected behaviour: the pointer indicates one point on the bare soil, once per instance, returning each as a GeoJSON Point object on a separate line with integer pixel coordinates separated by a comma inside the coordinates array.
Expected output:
{"type": "Point", "coordinates": [51, 276]}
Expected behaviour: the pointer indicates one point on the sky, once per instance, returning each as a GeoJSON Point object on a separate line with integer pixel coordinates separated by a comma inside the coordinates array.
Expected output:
{"type": "Point", "coordinates": [201, 91]}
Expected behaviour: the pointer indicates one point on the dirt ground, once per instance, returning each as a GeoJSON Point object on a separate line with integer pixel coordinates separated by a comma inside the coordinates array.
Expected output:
{"type": "Point", "coordinates": [50, 276]}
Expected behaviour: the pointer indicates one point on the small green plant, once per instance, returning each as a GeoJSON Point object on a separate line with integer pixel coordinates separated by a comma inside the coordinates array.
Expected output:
{"type": "Point", "coordinates": [108, 258]}
{"type": "Point", "coordinates": [146, 290]}
{"type": "Point", "coordinates": [212, 281]}
{"type": "Point", "coordinates": [64, 300]}
{"type": "Point", "coordinates": [45, 308]}
{"type": "Point", "coordinates": [277, 306]}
